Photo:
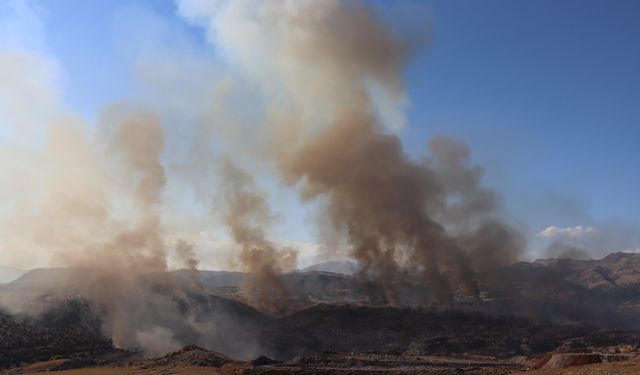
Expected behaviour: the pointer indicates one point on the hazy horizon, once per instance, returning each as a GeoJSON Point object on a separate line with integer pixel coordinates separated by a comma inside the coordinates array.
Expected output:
{"type": "Point", "coordinates": [543, 104]}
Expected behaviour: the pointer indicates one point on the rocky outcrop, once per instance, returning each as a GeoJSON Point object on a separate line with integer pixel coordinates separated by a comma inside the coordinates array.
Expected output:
{"type": "Point", "coordinates": [190, 355]}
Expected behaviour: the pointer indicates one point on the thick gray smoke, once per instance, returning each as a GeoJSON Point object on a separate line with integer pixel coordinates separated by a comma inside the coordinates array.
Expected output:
{"type": "Point", "coordinates": [328, 75]}
{"type": "Point", "coordinates": [389, 206]}
{"type": "Point", "coordinates": [247, 215]}
{"type": "Point", "coordinates": [334, 71]}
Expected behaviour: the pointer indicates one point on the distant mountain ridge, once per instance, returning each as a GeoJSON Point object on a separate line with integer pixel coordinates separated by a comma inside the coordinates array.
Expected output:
{"type": "Point", "coordinates": [341, 267]}
{"type": "Point", "coordinates": [616, 271]}
{"type": "Point", "coordinates": [604, 291]}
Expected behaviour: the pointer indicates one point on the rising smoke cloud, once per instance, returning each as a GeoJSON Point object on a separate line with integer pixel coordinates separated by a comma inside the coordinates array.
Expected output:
{"type": "Point", "coordinates": [328, 75]}
{"type": "Point", "coordinates": [247, 215]}
{"type": "Point", "coordinates": [335, 73]}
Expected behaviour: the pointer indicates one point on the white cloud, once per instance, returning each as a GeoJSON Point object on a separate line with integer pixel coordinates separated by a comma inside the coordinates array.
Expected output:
{"type": "Point", "coordinates": [569, 232]}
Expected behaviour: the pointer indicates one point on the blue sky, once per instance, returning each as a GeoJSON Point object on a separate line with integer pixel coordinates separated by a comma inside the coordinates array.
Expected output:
{"type": "Point", "coordinates": [549, 90]}
{"type": "Point", "coordinates": [546, 92]}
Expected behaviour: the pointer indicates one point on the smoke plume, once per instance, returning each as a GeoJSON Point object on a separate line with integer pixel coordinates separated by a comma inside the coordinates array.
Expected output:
{"type": "Point", "coordinates": [328, 83]}
{"type": "Point", "coordinates": [185, 252]}
{"type": "Point", "coordinates": [337, 89]}
{"type": "Point", "coordinates": [247, 215]}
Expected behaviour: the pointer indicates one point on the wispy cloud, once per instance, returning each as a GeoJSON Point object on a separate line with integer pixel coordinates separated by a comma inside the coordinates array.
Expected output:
{"type": "Point", "coordinates": [578, 231]}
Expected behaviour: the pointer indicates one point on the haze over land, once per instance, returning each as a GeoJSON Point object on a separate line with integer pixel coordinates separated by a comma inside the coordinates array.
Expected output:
{"type": "Point", "coordinates": [261, 138]}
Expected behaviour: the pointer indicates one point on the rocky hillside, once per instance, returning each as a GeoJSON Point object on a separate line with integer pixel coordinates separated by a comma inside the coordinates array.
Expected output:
{"type": "Point", "coordinates": [330, 311]}
{"type": "Point", "coordinates": [617, 274]}
{"type": "Point", "coordinates": [388, 330]}
{"type": "Point", "coordinates": [603, 292]}
{"type": "Point", "coordinates": [68, 327]}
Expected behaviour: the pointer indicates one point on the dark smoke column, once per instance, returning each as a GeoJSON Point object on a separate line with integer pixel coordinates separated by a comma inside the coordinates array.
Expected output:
{"type": "Point", "coordinates": [330, 73]}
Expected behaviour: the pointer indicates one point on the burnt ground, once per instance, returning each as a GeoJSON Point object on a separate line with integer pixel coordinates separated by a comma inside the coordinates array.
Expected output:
{"type": "Point", "coordinates": [547, 315]}
{"type": "Point", "coordinates": [330, 339]}
{"type": "Point", "coordinates": [195, 360]}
